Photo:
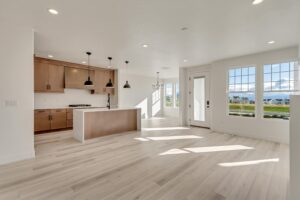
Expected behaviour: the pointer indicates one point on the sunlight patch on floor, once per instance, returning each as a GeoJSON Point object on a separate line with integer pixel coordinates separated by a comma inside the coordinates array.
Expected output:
{"type": "Point", "coordinates": [174, 151]}
{"type": "Point", "coordinates": [165, 129]}
{"type": "Point", "coordinates": [206, 149]}
{"type": "Point", "coordinates": [174, 137]}
{"type": "Point", "coordinates": [251, 162]}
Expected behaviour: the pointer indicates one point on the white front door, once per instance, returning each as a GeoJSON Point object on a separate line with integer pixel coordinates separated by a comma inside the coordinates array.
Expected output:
{"type": "Point", "coordinates": [199, 103]}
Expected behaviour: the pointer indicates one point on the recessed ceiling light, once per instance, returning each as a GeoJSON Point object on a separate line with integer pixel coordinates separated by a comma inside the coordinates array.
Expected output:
{"type": "Point", "coordinates": [145, 45]}
{"type": "Point", "coordinates": [52, 11]}
{"type": "Point", "coordinates": [165, 68]}
{"type": "Point", "coordinates": [256, 2]}
{"type": "Point", "coordinates": [271, 42]}
{"type": "Point", "coordinates": [185, 60]}
{"type": "Point", "coordinates": [50, 56]}
{"type": "Point", "coordinates": [83, 62]}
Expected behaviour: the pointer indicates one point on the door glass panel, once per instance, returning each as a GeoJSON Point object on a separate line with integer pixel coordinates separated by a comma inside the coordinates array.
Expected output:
{"type": "Point", "coordinates": [199, 99]}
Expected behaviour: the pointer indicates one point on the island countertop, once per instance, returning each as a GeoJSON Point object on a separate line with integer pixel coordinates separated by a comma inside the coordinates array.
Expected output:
{"type": "Point", "coordinates": [96, 122]}
{"type": "Point", "coordinates": [105, 109]}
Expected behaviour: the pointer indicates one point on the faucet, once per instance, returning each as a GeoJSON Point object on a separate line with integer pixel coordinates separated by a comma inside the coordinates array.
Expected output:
{"type": "Point", "coordinates": [108, 101]}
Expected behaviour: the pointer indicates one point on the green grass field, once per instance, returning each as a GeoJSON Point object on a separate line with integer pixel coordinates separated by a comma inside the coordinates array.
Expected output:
{"type": "Point", "coordinates": [267, 108]}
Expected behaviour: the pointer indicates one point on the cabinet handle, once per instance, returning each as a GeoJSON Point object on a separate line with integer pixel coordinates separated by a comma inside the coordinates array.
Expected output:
{"type": "Point", "coordinates": [49, 117]}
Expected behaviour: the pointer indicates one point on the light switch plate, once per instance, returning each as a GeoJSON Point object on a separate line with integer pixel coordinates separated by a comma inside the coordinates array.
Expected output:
{"type": "Point", "coordinates": [10, 103]}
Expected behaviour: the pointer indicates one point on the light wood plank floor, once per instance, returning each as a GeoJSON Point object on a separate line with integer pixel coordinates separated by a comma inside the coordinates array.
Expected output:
{"type": "Point", "coordinates": [164, 161]}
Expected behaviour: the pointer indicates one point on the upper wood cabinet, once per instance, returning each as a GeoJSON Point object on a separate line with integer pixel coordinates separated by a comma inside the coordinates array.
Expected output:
{"type": "Point", "coordinates": [75, 77]}
{"type": "Point", "coordinates": [48, 77]}
{"type": "Point", "coordinates": [55, 75]}
{"type": "Point", "coordinates": [101, 79]}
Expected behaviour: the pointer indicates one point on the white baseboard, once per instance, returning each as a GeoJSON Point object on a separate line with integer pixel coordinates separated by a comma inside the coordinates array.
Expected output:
{"type": "Point", "coordinates": [15, 158]}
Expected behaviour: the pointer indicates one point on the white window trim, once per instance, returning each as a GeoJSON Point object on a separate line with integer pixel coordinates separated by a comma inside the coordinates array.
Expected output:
{"type": "Point", "coordinates": [279, 91]}
{"type": "Point", "coordinates": [256, 113]}
{"type": "Point", "coordinates": [173, 94]}
{"type": "Point", "coordinates": [259, 89]}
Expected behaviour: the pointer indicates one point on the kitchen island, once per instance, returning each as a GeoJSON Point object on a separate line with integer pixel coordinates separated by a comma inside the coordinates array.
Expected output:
{"type": "Point", "coordinates": [93, 123]}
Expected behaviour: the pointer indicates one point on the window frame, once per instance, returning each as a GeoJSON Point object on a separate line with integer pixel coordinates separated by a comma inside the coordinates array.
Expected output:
{"type": "Point", "coordinates": [175, 99]}
{"type": "Point", "coordinates": [173, 83]}
{"type": "Point", "coordinates": [165, 92]}
{"type": "Point", "coordinates": [296, 66]}
{"type": "Point", "coordinates": [255, 91]}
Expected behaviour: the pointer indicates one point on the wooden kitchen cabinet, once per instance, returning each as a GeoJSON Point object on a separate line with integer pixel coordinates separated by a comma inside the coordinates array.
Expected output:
{"type": "Point", "coordinates": [99, 82]}
{"type": "Point", "coordinates": [58, 119]}
{"type": "Point", "coordinates": [69, 118]}
{"type": "Point", "coordinates": [56, 78]}
{"type": "Point", "coordinates": [42, 120]}
{"type": "Point", "coordinates": [101, 79]}
{"type": "Point", "coordinates": [75, 77]}
{"type": "Point", "coordinates": [48, 77]}
{"type": "Point", "coordinates": [40, 77]}
{"type": "Point", "coordinates": [51, 119]}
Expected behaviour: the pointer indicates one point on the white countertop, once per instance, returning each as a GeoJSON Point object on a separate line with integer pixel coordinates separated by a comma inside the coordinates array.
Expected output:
{"type": "Point", "coordinates": [105, 109]}
{"type": "Point", "coordinates": [67, 107]}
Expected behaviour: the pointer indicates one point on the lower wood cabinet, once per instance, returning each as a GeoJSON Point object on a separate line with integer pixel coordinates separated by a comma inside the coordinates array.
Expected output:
{"type": "Point", "coordinates": [52, 119]}
{"type": "Point", "coordinates": [69, 118]}
{"type": "Point", "coordinates": [58, 119]}
{"type": "Point", "coordinates": [42, 120]}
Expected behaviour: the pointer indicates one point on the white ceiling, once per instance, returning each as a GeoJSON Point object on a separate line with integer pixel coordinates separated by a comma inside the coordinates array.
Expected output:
{"type": "Point", "coordinates": [217, 29]}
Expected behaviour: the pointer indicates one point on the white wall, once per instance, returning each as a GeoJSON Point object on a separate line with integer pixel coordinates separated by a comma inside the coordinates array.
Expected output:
{"type": "Point", "coordinates": [71, 96]}
{"type": "Point", "coordinates": [167, 111]}
{"type": "Point", "coordinates": [16, 90]}
{"type": "Point", "coordinates": [295, 148]}
{"type": "Point", "coordinates": [270, 129]}
{"type": "Point", "coordinates": [141, 94]}
{"type": "Point", "coordinates": [183, 88]}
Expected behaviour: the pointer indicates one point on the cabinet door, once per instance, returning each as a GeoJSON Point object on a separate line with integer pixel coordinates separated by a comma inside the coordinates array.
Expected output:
{"type": "Point", "coordinates": [75, 78]}
{"type": "Point", "coordinates": [56, 78]}
{"type": "Point", "coordinates": [41, 120]}
{"type": "Point", "coordinates": [41, 76]}
{"type": "Point", "coordinates": [58, 119]}
{"type": "Point", "coordinates": [99, 82]}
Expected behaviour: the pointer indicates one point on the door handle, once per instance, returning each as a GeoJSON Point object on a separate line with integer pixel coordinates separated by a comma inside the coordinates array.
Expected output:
{"type": "Point", "coordinates": [207, 104]}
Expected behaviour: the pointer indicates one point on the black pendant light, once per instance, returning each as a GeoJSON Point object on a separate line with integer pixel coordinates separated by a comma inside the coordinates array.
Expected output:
{"type": "Point", "coordinates": [89, 82]}
{"type": "Point", "coordinates": [126, 86]}
{"type": "Point", "coordinates": [109, 84]}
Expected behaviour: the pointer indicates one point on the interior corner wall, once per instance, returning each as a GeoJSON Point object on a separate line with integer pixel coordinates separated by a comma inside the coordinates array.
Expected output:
{"type": "Point", "coordinates": [183, 88]}
{"type": "Point", "coordinates": [258, 127]}
{"type": "Point", "coordinates": [16, 90]}
{"type": "Point", "coordinates": [141, 94]}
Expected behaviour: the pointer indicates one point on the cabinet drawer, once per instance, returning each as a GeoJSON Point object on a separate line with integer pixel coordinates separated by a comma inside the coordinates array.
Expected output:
{"type": "Point", "coordinates": [58, 111]}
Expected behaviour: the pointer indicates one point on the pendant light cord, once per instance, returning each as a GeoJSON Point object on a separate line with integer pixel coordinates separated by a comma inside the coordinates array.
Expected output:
{"type": "Point", "coordinates": [89, 65]}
